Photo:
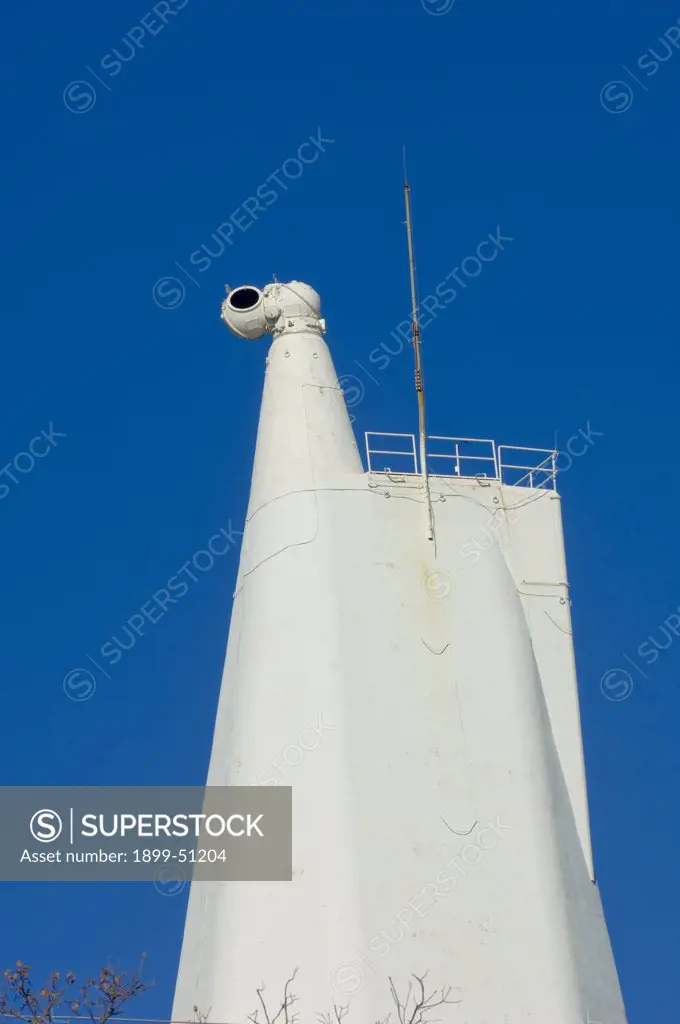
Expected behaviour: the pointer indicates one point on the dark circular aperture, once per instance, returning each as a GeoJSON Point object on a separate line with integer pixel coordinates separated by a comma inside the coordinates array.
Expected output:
{"type": "Point", "coordinates": [244, 298]}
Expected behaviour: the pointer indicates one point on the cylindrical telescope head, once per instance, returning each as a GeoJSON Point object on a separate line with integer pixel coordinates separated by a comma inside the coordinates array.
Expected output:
{"type": "Point", "coordinates": [251, 312]}
{"type": "Point", "coordinates": [243, 312]}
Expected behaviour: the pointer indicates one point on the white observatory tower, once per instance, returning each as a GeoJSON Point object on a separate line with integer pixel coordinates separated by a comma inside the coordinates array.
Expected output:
{"type": "Point", "coordinates": [400, 654]}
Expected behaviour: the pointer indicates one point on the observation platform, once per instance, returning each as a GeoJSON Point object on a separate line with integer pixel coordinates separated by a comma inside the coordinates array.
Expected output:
{"type": "Point", "coordinates": [463, 458]}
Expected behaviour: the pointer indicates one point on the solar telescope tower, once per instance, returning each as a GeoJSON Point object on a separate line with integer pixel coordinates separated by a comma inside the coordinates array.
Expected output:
{"type": "Point", "coordinates": [400, 653]}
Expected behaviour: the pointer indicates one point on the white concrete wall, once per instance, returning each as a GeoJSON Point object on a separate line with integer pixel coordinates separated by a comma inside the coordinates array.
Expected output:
{"type": "Point", "coordinates": [406, 694]}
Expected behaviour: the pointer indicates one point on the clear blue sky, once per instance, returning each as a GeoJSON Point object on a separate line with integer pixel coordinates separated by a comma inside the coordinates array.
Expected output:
{"type": "Point", "coordinates": [510, 122]}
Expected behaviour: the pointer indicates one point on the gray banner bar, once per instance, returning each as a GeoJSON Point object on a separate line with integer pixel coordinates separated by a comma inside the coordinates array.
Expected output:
{"type": "Point", "coordinates": [146, 833]}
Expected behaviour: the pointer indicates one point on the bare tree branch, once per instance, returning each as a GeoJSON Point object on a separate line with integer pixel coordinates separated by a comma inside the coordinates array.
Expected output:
{"type": "Point", "coordinates": [98, 998]}
{"type": "Point", "coordinates": [289, 999]}
{"type": "Point", "coordinates": [337, 1017]}
{"type": "Point", "coordinates": [417, 1007]}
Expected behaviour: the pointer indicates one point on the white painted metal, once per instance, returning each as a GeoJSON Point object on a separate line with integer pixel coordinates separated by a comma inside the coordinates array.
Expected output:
{"type": "Point", "coordinates": [291, 307]}
{"type": "Point", "coordinates": [421, 701]}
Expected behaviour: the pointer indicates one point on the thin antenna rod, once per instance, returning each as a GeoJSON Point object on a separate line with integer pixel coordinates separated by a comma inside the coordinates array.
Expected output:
{"type": "Point", "coordinates": [422, 430]}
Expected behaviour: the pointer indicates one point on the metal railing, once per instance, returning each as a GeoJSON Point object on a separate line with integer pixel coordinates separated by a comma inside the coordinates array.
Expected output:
{"type": "Point", "coordinates": [471, 457]}
{"type": "Point", "coordinates": [408, 465]}
{"type": "Point", "coordinates": [541, 474]}
{"type": "Point", "coordinates": [466, 458]}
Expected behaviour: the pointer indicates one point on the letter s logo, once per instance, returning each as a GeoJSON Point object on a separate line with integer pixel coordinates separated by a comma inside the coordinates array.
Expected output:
{"type": "Point", "coordinates": [45, 826]}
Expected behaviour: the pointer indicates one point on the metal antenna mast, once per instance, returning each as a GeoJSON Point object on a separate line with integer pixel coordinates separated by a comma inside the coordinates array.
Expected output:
{"type": "Point", "coordinates": [422, 432]}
